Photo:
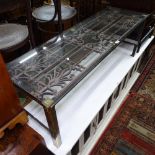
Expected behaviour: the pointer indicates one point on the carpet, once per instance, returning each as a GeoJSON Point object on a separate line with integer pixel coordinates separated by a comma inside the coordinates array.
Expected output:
{"type": "Point", "coordinates": [148, 86]}
{"type": "Point", "coordinates": [145, 85]}
{"type": "Point", "coordinates": [131, 131]}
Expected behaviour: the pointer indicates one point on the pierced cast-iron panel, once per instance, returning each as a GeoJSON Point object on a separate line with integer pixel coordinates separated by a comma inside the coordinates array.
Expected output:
{"type": "Point", "coordinates": [53, 69]}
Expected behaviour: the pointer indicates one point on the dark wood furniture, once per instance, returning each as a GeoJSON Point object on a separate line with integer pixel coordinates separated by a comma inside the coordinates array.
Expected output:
{"type": "Point", "coordinates": [14, 36]}
{"type": "Point", "coordinates": [137, 5]}
{"type": "Point", "coordinates": [87, 8]}
{"type": "Point", "coordinates": [11, 112]}
{"type": "Point", "coordinates": [22, 140]}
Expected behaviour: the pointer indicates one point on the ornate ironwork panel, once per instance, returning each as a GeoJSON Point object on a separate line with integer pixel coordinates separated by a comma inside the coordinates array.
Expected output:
{"type": "Point", "coordinates": [53, 69]}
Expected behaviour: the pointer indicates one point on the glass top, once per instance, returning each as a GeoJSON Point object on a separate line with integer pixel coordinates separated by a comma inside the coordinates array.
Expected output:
{"type": "Point", "coordinates": [50, 71]}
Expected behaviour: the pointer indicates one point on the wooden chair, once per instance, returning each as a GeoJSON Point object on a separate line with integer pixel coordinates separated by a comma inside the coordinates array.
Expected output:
{"type": "Point", "coordinates": [87, 8]}
{"type": "Point", "coordinates": [53, 14]}
{"type": "Point", "coordinates": [14, 36]}
{"type": "Point", "coordinates": [138, 5]}
{"type": "Point", "coordinates": [11, 112]}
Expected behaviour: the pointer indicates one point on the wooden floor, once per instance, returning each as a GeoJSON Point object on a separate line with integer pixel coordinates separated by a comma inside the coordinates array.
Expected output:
{"type": "Point", "coordinates": [22, 141]}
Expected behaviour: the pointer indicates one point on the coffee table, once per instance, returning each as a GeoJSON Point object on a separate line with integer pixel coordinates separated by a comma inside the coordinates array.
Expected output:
{"type": "Point", "coordinates": [48, 72]}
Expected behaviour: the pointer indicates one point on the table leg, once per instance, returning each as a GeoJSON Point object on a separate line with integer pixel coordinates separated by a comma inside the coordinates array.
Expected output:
{"type": "Point", "coordinates": [138, 39]}
{"type": "Point", "coordinates": [134, 50]}
{"type": "Point", "coordinates": [53, 125]}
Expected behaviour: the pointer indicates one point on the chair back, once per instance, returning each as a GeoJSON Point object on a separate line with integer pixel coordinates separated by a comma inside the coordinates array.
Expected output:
{"type": "Point", "coordinates": [11, 5]}
{"type": "Point", "coordinates": [57, 13]}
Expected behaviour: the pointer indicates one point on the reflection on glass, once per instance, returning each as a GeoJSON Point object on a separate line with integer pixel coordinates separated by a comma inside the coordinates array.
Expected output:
{"type": "Point", "coordinates": [28, 57]}
{"type": "Point", "coordinates": [54, 68]}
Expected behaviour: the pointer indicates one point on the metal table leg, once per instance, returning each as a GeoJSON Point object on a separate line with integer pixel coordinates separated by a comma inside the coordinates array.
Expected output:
{"type": "Point", "coordinates": [138, 39]}
{"type": "Point", "coordinates": [53, 125]}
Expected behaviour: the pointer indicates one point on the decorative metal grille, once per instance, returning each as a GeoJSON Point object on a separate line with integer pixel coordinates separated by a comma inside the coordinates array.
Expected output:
{"type": "Point", "coordinates": [53, 69]}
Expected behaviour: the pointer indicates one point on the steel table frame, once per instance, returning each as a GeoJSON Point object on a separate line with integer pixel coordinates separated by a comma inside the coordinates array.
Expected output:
{"type": "Point", "coordinates": [71, 37]}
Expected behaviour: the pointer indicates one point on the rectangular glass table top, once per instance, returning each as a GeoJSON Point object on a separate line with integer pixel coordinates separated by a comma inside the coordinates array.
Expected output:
{"type": "Point", "coordinates": [50, 71]}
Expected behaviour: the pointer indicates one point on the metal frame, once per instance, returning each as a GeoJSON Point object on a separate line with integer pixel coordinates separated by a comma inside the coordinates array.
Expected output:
{"type": "Point", "coordinates": [73, 39]}
{"type": "Point", "coordinates": [53, 125]}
